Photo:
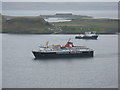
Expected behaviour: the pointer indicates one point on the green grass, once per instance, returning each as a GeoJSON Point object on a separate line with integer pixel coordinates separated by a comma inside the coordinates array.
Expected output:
{"type": "Point", "coordinates": [26, 25]}
{"type": "Point", "coordinates": [98, 25]}
{"type": "Point", "coordinates": [38, 25]}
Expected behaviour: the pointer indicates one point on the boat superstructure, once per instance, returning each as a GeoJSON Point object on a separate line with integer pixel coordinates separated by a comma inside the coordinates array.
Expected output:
{"type": "Point", "coordinates": [66, 51]}
{"type": "Point", "coordinates": [87, 35]}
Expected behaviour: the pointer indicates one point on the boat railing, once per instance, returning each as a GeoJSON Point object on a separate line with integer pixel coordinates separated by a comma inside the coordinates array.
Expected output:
{"type": "Point", "coordinates": [79, 47]}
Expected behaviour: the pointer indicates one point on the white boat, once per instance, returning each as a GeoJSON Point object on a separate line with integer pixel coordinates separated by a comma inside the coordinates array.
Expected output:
{"type": "Point", "coordinates": [87, 35]}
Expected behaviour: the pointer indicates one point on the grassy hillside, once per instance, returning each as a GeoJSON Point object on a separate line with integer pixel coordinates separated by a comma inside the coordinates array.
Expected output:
{"type": "Point", "coordinates": [26, 25]}
{"type": "Point", "coordinates": [83, 25]}
{"type": "Point", "coordinates": [37, 25]}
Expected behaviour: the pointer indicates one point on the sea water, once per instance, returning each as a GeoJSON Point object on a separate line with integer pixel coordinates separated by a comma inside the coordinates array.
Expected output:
{"type": "Point", "coordinates": [20, 70]}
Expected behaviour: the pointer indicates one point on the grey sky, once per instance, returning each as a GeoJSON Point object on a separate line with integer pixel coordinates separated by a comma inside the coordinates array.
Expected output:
{"type": "Point", "coordinates": [60, 0]}
{"type": "Point", "coordinates": [95, 9]}
{"type": "Point", "coordinates": [57, 6]}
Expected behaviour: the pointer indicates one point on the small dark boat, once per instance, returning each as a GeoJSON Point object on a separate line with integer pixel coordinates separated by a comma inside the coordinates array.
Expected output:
{"type": "Point", "coordinates": [87, 35]}
{"type": "Point", "coordinates": [66, 51]}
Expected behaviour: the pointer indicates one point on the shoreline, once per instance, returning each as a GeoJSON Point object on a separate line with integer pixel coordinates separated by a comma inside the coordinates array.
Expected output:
{"type": "Point", "coordinates": [57, 33]}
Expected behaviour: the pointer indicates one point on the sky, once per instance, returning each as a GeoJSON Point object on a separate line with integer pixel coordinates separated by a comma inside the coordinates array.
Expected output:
{"type": "Point", "coordinates": [95, 9]}
{"type": "Point", "coordinates": [59, 0]}
{"type": "Point", "coordinates": [57, 6]}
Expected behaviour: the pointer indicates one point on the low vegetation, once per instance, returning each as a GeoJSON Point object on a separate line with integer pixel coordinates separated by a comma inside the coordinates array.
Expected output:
{"type": "Point", "coordinates": [83, 25]}
{"type": "Point", "coordinates": [26, 25]}
{"type": "Point", "coordinates": [37, 25]}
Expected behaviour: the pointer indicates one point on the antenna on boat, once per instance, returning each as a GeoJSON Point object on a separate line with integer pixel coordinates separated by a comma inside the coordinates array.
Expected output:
{"type": "Point", "coordinates": [47, 44]}
{"type": "Point", "coordinates": [69, 39]}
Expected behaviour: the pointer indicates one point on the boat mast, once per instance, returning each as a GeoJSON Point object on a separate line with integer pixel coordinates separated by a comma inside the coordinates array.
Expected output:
{"type": "Point", "coordinates": [47, 44]}
{"type": "Point", "coordinates": [69, 39]}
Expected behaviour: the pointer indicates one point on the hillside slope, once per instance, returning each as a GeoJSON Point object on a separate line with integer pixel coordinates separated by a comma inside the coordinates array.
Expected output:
{"type": "Point", "coordinates": [37, 25]}
{"type": "Point", "coordinates": [87, 25]}
{"type": "Point", "coordinates": [26, 25]}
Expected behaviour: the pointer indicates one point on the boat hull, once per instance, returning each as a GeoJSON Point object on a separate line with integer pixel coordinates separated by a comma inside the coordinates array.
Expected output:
{"type": "Point", "coordinates": [48, 55]}
{"type": "Point", "coordinates": [87, 37]}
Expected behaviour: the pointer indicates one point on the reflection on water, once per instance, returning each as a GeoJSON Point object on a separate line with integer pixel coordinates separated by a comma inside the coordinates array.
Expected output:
{"type": "Point", "coordinates": [19, 65]}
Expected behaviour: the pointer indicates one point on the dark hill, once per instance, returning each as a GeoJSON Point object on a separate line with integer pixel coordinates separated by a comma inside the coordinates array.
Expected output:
{"type": "Point", "coordinates": [25, 25]}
